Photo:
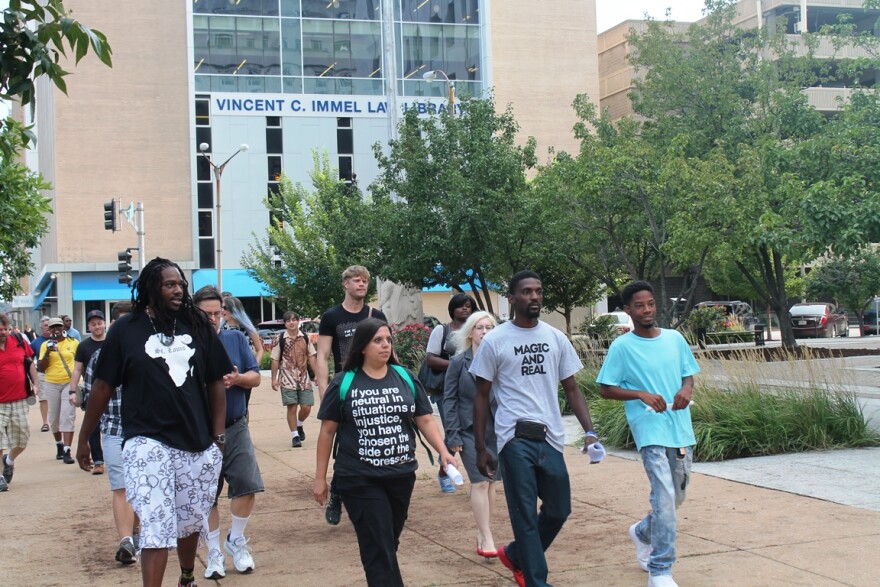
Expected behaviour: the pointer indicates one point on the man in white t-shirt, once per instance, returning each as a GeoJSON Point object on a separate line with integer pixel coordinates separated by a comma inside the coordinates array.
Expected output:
{"type": "Point", "coordinates": [522, 362]}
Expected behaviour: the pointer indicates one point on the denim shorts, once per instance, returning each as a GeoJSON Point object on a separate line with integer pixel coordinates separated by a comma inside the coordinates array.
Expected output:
{"type": "Point", "coordinates": [113, 460]}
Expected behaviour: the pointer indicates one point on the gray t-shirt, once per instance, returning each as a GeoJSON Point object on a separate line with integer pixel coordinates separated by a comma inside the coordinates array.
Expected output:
{"type": "Point", "coordinates": [525, 366]}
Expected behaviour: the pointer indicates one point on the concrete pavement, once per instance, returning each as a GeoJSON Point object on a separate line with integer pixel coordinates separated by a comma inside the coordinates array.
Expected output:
{"type": "Point", "coordinates": [57, 527]}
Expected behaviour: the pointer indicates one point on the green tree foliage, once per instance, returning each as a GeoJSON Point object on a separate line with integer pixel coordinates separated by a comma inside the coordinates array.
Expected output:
{"type": "Point", "coordinates": [22, 218]}
{"type": "Point", "coordinates": [851, 281]}
{"type": "Point", "coordinates": [732, 98]}
{"type": "Point", "coordinates": [452, 201]}
{"type": "Point", "coordinates": [34, 37]}
{"type": "Point", "coordinates": [616, 200]}
{"type": "Point", "coordinates": [316, 235]}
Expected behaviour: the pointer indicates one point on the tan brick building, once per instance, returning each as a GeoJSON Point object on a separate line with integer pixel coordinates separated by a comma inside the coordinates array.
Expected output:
{"type": "Point", "coordinates": [284, 77]}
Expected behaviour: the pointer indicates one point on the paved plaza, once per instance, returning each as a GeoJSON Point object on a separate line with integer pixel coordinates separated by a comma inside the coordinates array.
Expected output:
{"type": "Point", "coordinates": [57, 526]}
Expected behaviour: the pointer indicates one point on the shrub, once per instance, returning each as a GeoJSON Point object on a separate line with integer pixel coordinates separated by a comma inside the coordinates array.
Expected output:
{"type": "Point", "coordinates": [410, 341]}
{"type": "Point", "coordinates": [708, 318]}
{"type": "Point", "coordinates": [266, 363]}
{"type": "Point", "coordinates": [747, 422]}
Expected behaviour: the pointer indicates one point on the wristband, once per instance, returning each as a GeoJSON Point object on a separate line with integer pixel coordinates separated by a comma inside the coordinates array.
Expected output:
{"type": "Point", "coordinates": [591, 433]}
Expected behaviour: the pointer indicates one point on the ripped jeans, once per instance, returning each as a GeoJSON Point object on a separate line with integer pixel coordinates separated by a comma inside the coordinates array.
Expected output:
{"type": "Point", "coordinates": [669, 476]}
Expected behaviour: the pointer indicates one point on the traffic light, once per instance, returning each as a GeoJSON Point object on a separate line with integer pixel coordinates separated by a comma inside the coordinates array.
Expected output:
{"type": "Point", "coordinates": [124, 266]}
{"type": "Point", "coordinates": [110, 216]}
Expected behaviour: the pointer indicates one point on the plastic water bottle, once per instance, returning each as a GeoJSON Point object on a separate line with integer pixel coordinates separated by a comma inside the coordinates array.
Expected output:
{"type": "Point", "coordinates": [596, 452]}
{"type": "Point", "coordinates": [454, 474]}
{"type": "Point", "coordinates": [650, 409]}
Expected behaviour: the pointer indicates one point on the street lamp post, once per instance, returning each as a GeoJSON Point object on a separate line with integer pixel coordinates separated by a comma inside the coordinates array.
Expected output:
{"type": "Point", "coordinates": [430, 76]}
{"type": "Point", "coordinates": [218, 173]}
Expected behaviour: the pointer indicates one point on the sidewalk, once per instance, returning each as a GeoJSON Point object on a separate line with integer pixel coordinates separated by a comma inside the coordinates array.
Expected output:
{"type": "Point", "coordinates": [57, 527]}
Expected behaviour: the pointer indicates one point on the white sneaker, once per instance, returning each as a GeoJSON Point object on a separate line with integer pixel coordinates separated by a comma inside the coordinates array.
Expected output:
{"type": "Point", "coordinates": [241, 554]}
{"type": "Point", "coordinates": [643, 550]}
{"type": "Point", "coordinates": [661, 581]}
{"type": "Point", "coordinates": [216, 565]}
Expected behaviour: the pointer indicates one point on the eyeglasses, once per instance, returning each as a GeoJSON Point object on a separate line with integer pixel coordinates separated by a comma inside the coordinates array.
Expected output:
{"type": "Point", "coordinates": [214, 314]}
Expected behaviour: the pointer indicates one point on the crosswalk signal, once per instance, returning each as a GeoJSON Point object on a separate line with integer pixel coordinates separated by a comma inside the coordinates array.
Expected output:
{"type": "Point", "coordinates": [124, 266]}
{"type": "Point", "coordinates": [110, 216]}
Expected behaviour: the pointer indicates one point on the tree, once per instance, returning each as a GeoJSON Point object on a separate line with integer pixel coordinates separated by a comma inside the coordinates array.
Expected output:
{"type": "Point", "coordinates": [315, 235]}
{"type": "Point", "coordinates": [23, 211]}
{"type": "Point", "coordinates": [733, 98]}
{"type": "Point", "coordinates": [451, 200]}
{"type": "Point", "coordinates": [34, 36]}
{"type": "Point", "coordinates": [616, 200]}
{"type": "Point", "coordinates": [851, 281]}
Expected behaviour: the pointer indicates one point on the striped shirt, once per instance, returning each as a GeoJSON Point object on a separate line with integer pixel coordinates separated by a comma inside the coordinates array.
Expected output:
{"type": "Point", "coordinates": [111, 419]}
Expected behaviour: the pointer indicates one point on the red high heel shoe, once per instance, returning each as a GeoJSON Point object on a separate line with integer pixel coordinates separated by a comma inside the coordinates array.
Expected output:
{"type": "Point", "coordinates": [486, 553]}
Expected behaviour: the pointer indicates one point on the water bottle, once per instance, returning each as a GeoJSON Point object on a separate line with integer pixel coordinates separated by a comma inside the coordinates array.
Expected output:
{"type": "Point", "coordinates": [650, 409]}
{"type": "Point", "coordinates": [596, 452]}
{"type": "Point", "coordinates": [454, 474]}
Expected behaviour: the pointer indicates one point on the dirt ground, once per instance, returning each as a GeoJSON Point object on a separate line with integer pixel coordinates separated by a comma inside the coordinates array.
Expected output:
{"type": "Point", "coordinates": [57, 528]}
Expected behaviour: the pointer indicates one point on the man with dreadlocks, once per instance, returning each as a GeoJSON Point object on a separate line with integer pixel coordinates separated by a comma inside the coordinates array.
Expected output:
{"type": "Point", "coordinates": [171, 365]}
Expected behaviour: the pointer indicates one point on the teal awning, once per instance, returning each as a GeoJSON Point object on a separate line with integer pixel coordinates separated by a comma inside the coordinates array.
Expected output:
{"type": "Point", "coordinates": [95, 285]}
{"type": "Point", "coordinates": [235, 281]}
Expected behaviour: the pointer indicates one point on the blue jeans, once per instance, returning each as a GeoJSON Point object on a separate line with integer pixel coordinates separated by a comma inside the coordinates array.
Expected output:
{"type": "Point", "coordinates": [669, 476]}
{"type": "Point", "coordinates": [533, 470]}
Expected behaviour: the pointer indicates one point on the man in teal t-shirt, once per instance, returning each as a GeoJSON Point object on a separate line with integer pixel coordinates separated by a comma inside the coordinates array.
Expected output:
{"type": "Point", "coordinates": [652, 369]}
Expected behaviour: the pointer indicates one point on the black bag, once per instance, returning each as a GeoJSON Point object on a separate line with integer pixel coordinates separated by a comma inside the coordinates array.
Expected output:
{"type": "Point", "coordinates": [431, 379]}
{"type": "Point", "coordinates": [29, 390]}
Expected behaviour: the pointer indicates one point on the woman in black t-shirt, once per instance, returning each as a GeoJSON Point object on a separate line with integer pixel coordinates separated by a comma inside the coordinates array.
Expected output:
{"type": "Point", "coordinates": [374, 415]}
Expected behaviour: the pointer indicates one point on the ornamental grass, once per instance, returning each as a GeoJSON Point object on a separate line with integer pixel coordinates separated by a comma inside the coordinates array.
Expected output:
{"type": "Point", "coordinates": [745, 406]}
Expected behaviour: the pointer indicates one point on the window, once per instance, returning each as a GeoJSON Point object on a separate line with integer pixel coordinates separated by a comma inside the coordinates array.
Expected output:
{"type": "Point", "coordinates": [274, 141]}
{"type": "Point", "coordinates": [205, 194]}
{"type": "Point", "coordinates": [206, 223]}
{"type": "Point", "coordinates": [206, 253]}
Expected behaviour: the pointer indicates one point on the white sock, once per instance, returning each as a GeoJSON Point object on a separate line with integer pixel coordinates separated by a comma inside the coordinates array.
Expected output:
{"type": "Point", "coordinates": [214, 539]}
{"type": "Point", "coordinates": [236, 529]}
{"type": "Point", "coordinates": [9, 461]}
{"type": "Point", "coordinates": [299, 422]}
{"type": "Point", "coordinates": [294, 433]}
{"type": "Point", "coordinates": [66, 448]}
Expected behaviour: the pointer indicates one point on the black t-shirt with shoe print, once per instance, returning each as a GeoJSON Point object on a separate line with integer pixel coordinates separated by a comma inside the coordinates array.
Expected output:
{"type": "Point", "coordinates": [165, 395]}
{"type": "Point", "coordinates": [376, 429]}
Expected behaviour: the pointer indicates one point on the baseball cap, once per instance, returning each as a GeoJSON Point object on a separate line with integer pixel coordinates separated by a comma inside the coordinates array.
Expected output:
{"type": "Point", "coordinates": [94, 314]}
{"type": "Point", "coordinates": [55, 322]}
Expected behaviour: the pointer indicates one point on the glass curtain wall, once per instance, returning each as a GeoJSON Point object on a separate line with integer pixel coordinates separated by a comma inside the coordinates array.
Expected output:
{"type": "Point", "coordinates": [333, 46]}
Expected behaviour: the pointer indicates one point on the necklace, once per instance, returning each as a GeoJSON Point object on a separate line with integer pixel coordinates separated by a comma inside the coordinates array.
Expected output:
{"type": "Point", "coordinates": [165, 339]}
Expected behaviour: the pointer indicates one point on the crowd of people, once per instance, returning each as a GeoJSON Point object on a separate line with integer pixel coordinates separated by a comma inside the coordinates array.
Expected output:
{"type": "Point", "coordinates": [166, 388]}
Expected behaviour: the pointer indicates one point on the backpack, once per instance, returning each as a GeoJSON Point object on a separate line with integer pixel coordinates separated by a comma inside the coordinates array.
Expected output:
{"type": "Point", "coordinates": [28, 388]}
{"type": "Point", "coordinates": [345, 385]}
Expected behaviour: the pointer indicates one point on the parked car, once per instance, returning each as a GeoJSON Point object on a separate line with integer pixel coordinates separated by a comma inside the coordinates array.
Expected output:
{"type": "Point", "coordinates": [869, 318]}
{"type": "Point", "coordinates": [271, 329]}
{"type": "Point", "coordinates": [621, 321]}
{"type": "Point", "coordinates": [818, 319]}
{"type": "Point", "coordinates": [740, 310]}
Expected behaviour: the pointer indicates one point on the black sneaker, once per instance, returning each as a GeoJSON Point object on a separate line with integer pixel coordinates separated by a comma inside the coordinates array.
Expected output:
{"type": "Point", "coordinates": [334, 509]}
{"type": "Point", "coordinates": [302, 435]}
{"type": "Point", "coordinates": [295, 442]}
{"type": "Point", "coordinates": [8, 470]}
{"type": "Point", "coordinates": [59, 452]}
{"type": "Point", "coordinates": [68, 460]}
{"type": "Point", "coordinates": [126, 554]}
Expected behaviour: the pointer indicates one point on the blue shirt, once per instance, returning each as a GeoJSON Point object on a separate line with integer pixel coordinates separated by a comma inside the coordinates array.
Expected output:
{"type": "Point", "coordinates": [240, 354]}
{"type": "Point", "coordinates": [37, 343]}
{"type": "Point", "coordinates": [656, 365]}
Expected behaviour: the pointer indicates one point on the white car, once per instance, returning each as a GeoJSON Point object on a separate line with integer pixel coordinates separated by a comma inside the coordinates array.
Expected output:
{"type": "Point", "coordinates": [621, 321]}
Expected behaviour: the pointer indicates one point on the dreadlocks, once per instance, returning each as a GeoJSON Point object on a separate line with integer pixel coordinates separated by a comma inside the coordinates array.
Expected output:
{"type": "Point", "coordinates": [148, 288]}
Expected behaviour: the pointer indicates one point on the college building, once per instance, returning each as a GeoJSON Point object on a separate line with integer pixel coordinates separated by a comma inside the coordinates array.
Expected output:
{"type": "Point", "coordinates": [616, 75]}
{"type": "Point", "coordinates": [268, 83]}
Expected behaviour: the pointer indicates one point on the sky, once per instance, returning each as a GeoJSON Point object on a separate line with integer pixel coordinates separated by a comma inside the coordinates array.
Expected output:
{"type": "Point", "coordinates": [612, 12]}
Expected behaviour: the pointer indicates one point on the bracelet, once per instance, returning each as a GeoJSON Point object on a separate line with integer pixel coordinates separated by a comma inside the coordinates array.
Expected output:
{"type": "Point", "coordinates": [591, 433]}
